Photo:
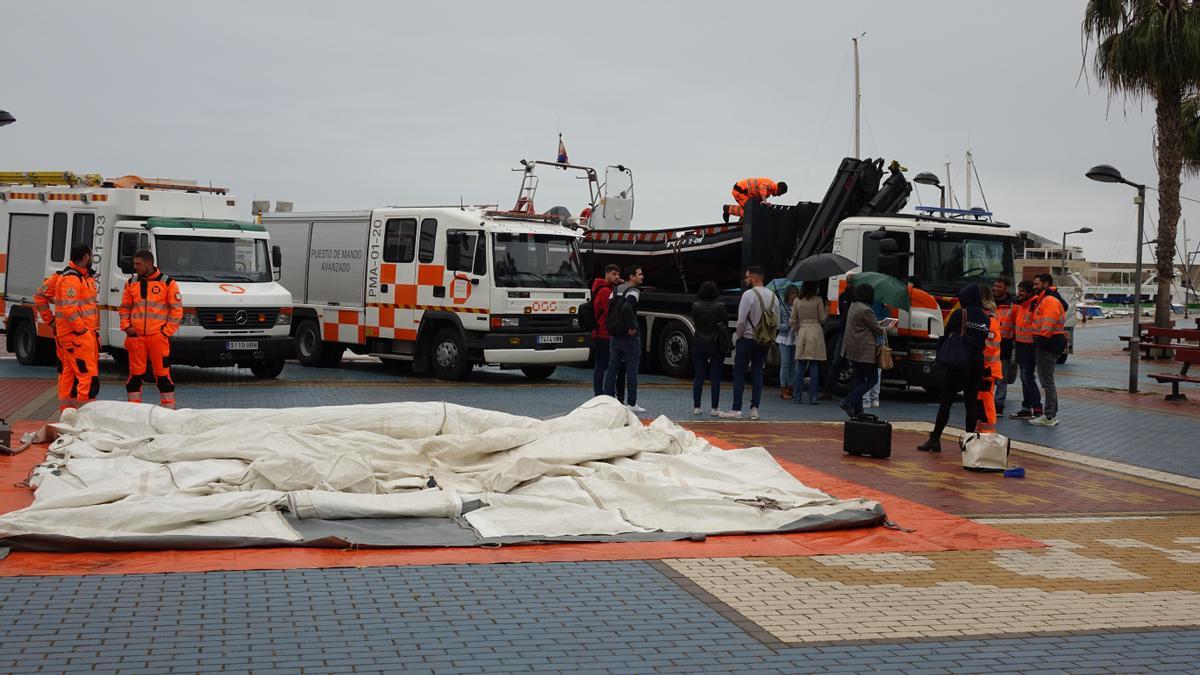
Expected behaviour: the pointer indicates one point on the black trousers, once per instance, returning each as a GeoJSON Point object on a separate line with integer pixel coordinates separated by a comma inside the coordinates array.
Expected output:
{"type": "Point", "coordinates": [955, 381]}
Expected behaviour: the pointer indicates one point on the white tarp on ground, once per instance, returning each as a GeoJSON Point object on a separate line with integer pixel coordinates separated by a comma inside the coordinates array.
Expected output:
{"type": "Point", "coordinates": [122, 470]}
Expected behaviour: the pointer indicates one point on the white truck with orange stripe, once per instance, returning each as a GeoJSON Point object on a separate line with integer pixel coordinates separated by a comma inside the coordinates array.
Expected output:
{"type": "Point", "coordinates": [444, 287]}
{"type": "Point", "coordinates": [235, 314]}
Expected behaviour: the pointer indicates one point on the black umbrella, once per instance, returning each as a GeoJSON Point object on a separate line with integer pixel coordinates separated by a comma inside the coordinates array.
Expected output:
{"type": "Point", "coordinates": [821, 266]}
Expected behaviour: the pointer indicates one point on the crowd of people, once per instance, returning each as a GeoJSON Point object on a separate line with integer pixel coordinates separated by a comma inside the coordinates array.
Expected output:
{"type": "Point", "coordinates": [990, 340]}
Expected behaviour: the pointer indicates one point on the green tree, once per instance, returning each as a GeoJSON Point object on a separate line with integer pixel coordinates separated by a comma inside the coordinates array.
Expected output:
{"type": "Point", "coordinates": [1152, 48]}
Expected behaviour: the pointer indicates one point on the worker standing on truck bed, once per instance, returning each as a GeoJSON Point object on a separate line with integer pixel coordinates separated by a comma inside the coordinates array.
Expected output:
{"type": "Point", "coordinates": [751, 188]}
{"type": "Point", "coordinates": [151, 310]}
{"type": "Point", "coordinates": [77, 330]}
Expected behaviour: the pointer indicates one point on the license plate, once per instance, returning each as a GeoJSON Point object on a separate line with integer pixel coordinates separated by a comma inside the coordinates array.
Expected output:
{"type": "Point", "coordinates": [236, 345]}
{"type": "Point", "coordinates": [549, 339]}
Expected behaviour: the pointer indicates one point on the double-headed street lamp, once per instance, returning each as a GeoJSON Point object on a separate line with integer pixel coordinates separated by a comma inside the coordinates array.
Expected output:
{"type": "Point", "coordinates": [1062, 271]}
{"type": "Point", "coordinates": [6, 118]}
{"type": "Point", "coordinates": [926, 178]}
{"type": "Point", "coordinates": [1109, 174]}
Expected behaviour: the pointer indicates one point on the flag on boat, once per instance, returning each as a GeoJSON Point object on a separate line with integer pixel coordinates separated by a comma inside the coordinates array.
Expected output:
{"type": "Point", "coordinates": [562, 151]}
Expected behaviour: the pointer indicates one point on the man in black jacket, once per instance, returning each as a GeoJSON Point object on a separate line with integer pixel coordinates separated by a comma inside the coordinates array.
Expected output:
{"type": "Point", "coordinates": [625, 347]}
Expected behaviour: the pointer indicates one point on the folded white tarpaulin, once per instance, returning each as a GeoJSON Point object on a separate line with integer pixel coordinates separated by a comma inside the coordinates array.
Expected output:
{"type": "Point", "coordinates": [135, 475]}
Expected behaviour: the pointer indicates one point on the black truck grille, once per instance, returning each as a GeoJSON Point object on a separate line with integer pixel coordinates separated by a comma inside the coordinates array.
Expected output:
{"type": "Point", "coordinates": [235, 318]}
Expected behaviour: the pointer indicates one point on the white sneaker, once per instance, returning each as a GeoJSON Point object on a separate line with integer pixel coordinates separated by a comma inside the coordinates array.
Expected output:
{"type": "Point", "coordinates": [1043, 421]}
{"type": "Point", "coordinates": [636, 408]}
{"type": "Point", "coordinates": [732, 415]}
{"type": "Point", "coordinates": [754, 413]}
{"type": "Point", "coordinates": [714, 413]}
{"type": "Point", "coordinates": [696, 411]}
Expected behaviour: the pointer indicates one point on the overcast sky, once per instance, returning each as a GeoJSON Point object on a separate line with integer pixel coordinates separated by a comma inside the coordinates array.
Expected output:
{"type": "Point", "coordinates": [356, 105]}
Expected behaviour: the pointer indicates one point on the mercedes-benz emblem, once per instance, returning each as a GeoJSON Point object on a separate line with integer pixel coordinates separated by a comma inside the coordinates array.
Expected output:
{"type": "Point", "coordinates": [240, 317]}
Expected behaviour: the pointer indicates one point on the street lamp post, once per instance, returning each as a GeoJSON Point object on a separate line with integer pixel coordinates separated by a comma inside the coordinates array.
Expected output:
{"type": "Point", "coordinates": [1109, 174]}
{"type": "Point", "coordinates": [1062, 271]}
{"type": "Point", "coordinates": [6, 118]}
{"type": "Point", "coordinates": [926, 178]}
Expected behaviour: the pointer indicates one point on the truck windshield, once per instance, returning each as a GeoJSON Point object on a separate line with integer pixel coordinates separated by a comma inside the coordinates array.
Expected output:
{"type": "Point", "coordinates": [946, 263]}
{"type": "Point", "coordinates": [214, 258]}
{"type": "Point", "coordinates": [537, 260]}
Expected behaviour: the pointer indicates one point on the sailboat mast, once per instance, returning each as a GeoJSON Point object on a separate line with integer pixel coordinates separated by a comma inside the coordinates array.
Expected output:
{"type": "Point", "coordinates": [857, 99]}
{"type": "Point", "coordinates": [970, 168]}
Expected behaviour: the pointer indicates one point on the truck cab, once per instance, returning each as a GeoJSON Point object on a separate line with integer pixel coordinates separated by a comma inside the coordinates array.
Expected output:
{"type": "Point", "coordinates": [235, 314]}
{"type": "Point", "coordinates": [937, 257]}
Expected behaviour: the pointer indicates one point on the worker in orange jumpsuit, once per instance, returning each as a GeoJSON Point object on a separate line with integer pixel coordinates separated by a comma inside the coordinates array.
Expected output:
{"type": "Point", "coordinates": [993, 368]}
{"type": "Point", "coordinates": [77, 330]}
{"type": "Point", "coordinates": [751, 188]}
{"type": "Point", "coordinates": [151, 309]}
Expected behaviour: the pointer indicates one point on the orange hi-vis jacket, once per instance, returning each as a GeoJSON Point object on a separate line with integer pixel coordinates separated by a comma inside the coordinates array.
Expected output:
{"type": "Point", "coordinates": [1050, 317]}
{"type": "Point", "coordinates": [44, 298]}
{"type": "Point", "coordinates": [1006, 314]}
{"type": "Point", "coordinates": [75, 310]}
{"type": "Point", "coordinates": [152, 306]}
{"type": "Point", "coordinates": [757, 188]}
{"type": "Point", "coordinates": [991, 350]}
{"type": "Point", "coordinates": [1023, 320]}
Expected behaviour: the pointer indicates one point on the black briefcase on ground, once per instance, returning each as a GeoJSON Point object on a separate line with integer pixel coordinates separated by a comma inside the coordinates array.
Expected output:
{"type": "Point", "coordinates": [867, 436]}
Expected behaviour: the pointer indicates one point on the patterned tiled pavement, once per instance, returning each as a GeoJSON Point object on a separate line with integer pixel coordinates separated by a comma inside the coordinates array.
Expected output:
{"type": "Point", "coordinates": [1115, 589]}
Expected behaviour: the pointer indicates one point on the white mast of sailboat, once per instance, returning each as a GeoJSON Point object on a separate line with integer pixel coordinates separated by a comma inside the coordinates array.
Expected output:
{"type": "Point", "coordinates": [857, 97]}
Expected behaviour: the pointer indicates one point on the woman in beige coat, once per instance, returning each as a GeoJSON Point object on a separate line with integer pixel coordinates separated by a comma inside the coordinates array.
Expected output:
{"type": "Point", "coordinates": [808, 315]}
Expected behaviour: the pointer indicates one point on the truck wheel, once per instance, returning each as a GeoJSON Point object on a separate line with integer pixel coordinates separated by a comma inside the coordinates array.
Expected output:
{"type": "Point", "coordinates": [312, 350]}
{"type": "Point", "coordinates": [30, 349]}
{"type": "Point", "coordinates": [449, 357]}
{"type": "Point", "coordinates": [538, 372]}
{"type": "Point", "coordinates": [267, 370]}
{"type": "Point", "coordinates": [120, 356]}
{"type": "Point", "coordinates": [675, 350]}
{"type": "Point", "coordinates": [1062, 358]}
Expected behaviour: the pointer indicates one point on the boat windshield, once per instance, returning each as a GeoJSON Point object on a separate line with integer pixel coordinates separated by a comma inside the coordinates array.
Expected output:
{"type": "Point", "coordinates": [214, 258]}
{"type": "Point", "coordinates": [537, 261]}
{"type": "Point", "coordinates": [947, 262]}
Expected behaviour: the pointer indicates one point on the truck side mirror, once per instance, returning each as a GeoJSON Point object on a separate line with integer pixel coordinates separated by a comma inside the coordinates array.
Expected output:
{"type": "Point", "coordinates": [276, 257]}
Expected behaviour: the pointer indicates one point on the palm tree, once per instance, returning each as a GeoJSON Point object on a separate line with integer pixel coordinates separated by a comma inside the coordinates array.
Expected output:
{"type": "Point", "coordinates": [1152, 48]}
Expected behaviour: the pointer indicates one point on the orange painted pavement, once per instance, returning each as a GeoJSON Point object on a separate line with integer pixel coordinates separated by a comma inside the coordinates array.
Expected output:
{"type": "Point", "coordinates": [933, 530]}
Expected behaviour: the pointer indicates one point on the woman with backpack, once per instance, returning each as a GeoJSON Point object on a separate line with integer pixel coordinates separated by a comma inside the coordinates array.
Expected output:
{"type": "Point", "coordinates": [859, 346]}
{"type": "Point", "coordinates": [960, 353]}
{"type": "Point", "coordinates": [713, 343]}
{"type": "Point", "coordinates": [808, 314]}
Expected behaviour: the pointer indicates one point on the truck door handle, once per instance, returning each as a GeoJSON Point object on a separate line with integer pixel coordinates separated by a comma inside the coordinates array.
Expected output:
{"type": "Point", "coordinates": [475, 282]}
{"type": "Point", "coordinates": [113, 290]}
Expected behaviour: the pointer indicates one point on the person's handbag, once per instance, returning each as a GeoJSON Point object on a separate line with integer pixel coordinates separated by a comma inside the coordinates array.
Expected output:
{"type": "Point", "coordinates": [724, 340]}
{"type": "Point", "coordinates": [954, 352]}
{"type": "Point", "coordinates": [984, 452]}
{"type": "Point", "coordinates": [883, 357]}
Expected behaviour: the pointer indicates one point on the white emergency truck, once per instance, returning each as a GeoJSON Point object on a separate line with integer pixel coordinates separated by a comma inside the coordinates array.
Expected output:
{"type": "Point", "coordinates": [445, 287]}
{"type": "Point", "coordinates": [235, 314]}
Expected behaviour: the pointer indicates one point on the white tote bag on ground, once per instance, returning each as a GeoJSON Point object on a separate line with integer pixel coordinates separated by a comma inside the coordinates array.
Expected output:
{"type": "Point", "coordinates": [984, 452]}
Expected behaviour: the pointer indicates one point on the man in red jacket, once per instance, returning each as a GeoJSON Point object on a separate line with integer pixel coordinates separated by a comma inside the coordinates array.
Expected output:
{"type": "Point", "coordinates": [601, 293]}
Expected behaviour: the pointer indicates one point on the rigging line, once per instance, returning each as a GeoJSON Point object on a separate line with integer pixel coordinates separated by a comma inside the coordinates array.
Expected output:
{"type": "Point", "coordinates": [978, 182]}
{"type": "Point", "coordinates": [1186, 199]}
{"type": "Point", "coordinates": [870, 133]}
{"type": "Point", "coordinates": [821, 134]}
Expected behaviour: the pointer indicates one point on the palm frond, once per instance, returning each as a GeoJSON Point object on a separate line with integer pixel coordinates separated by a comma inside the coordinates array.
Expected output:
{"type": "Point", "coordinates": [1191, 134]}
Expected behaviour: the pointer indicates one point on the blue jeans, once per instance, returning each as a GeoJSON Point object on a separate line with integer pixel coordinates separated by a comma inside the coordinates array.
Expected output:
{"type": "Point", "coordinates": [623, 351]}
{"type": "Point", "coordinates": [1031, 397]}
{"type": "Point", "coordinates": [786, 354]}
{"type": "Point", "coordinates": [864, 378]}
{"type": "Point", "coordinates": [747, 352]}
{"type": "Point", "coordinates": [813, 370]}
{"type": "Point", "coordinates": [706, 364]}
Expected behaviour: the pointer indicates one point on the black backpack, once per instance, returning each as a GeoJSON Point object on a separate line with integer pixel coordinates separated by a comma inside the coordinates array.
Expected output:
{"type": "Point", "coordinates": [616, 317]}
{"type": "Point", "coordinates": [587, 316]}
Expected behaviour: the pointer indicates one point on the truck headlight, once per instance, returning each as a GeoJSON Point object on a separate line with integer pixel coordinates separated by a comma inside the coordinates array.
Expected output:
{"type": "Point", "coordinates": [284, 319]}
{"type": "Point", "coordinates": [189, 318]}
{"type": "Point", "coordinates": [922, 355]}
{"type": "Point", "coordinates": [505, 322]}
